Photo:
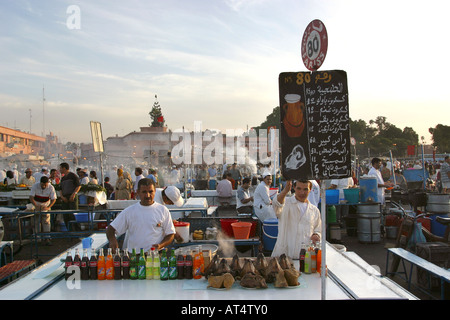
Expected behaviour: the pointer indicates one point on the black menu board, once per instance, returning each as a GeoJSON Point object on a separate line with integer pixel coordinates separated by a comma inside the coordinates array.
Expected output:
{"type": "Point", "coordinates": [315, 125]}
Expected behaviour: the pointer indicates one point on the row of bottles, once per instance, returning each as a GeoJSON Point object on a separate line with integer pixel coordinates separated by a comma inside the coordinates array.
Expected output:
{"type": "Point", "coordinates": [310, 258]}
{"type": "Point", "coordinates": [185, 265]}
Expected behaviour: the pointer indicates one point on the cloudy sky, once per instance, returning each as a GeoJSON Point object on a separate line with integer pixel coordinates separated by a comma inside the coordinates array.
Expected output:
{"type": "Point", "coordinates": [214, 61]}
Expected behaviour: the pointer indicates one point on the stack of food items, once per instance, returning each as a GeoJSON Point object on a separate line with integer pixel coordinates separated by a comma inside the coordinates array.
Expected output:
{"type": "Point", "coordinates": [252, 274]}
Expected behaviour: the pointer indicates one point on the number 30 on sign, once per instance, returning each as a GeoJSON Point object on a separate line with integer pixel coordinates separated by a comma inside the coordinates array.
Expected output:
{"type": "Point", "coordinates": [314, 45]}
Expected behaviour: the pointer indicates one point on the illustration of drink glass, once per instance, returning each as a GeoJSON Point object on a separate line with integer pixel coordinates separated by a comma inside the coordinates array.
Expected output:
{"type": "Point", "coordinates": [293, 120]}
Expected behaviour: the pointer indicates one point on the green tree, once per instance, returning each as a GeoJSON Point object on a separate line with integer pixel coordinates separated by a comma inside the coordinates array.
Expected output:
{"type": "Point", "coordinates": [272, 119]}
{"type": "Point", "coordinates": [440, 136]}
{"type": "Point", "coordinates": [156, 114]}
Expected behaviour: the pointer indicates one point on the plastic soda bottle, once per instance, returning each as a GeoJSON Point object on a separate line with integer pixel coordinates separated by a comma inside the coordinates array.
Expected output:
{"type": "Point", "coordinates": [133, 265]}
{"type": "Point", "coordinates": [156, 264]}
{"type": "Point", "coordinates": [313, 258]}
{"type": "Point", "coordinates": [101, 266]}
{"type": "Point", "coordinates": [68, 263]}
{"type": "Point", "coordinates": [319, 257]}
{"type": "Point", "coordinates": [141, 265]}
{"type": "Point", "coordinates": [149, 266]}
{"type": "Point", "coordinates": [197, 265]}
{"type": "Point", "coordinates": [188, 265]}
{"type": "Point", "coordinates": [85, 266]}
{"type": "Point", "coordinates": [308, 261]}
{"type": "Point", "coordinates": [164, 266]}
{"type": "Point", "coordinates": [117, 262]}
{"type": "Point", "coordinates": [302, 258]}
{"type": "Point", "coordinates": [173, 272]}
{"type": "Point", "coordinates": [109, 265]}
{"type": "Point", "coordinates": [125, 265]}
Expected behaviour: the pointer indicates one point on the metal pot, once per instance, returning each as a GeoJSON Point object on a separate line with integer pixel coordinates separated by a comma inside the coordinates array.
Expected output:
{"type": "Point", "coordinates": [438, 202]}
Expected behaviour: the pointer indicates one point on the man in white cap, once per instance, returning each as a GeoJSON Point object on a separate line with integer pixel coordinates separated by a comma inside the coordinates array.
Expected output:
{"type": "Point", "coordinates": [38, 175]}
{"type": "Point", "coordinates": [261, 199]}
{"type": "Point", "coordinates": [169, 196]}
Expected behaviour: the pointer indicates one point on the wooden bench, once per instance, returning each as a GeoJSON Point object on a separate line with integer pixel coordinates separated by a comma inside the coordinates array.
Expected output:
{"type": "Point", "coordinates": [14, 269]}
{"type": "Point", "coordinates": [431, 268]}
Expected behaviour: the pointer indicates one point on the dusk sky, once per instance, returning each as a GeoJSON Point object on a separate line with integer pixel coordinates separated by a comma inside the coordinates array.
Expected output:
{"type": "Point", "coordinates": [214, 61]}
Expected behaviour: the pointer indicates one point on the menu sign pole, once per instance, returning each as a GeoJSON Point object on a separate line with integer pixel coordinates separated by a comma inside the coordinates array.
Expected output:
{"type": "Point", "coordinates": [315, 122]}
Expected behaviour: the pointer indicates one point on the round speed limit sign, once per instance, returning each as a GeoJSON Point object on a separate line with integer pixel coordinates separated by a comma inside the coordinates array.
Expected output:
{"type": "Point", "coordinates": [314, 45]}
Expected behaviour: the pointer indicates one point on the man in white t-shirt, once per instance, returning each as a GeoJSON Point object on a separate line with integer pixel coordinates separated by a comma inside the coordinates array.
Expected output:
{"type": "Point", "coordinates": [375, 172]}
{"type": "Point", "coordinates": [43, 197]}
{"type": "Point", "coordinates": [147, 223]}
{"type": "Point", "coordinates": [244, 201]}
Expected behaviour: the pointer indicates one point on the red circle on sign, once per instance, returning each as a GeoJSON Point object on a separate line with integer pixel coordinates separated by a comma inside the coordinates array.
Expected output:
{"type": "Point", "coordinates": [314, 45]}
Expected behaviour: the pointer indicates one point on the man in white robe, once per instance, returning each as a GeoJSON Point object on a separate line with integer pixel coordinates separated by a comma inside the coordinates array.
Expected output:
{"type": "Point", "coordinates": [299, 221]}
{"type": "Point", "coordinates": [261, 199]}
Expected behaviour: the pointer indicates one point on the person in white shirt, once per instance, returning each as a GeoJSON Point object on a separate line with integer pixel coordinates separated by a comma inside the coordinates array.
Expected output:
{"type": "Point", "coordinates": [299, 220]}
{"type": "Point", "coordinates": [261, 199]}
{"type": "Point", "coordinates": [43, 197]}
{"type": "Point", "coordinates": [375, 172]}
{"type": "Point", "coordinates": [341, 184]}
{"type": "Point", "coordinates": [224, 190]}
{"type": "Point", "coordinates": [28, 179]}
{"type": "Point", "coordinates": [244, 201]}
{"type": "Point", "coordinates": [139, 176]}
{"type": "Point", "coordinates": [147, 223]}
{"type": "Point", "coordinates": [314, 194]}
{"type": "Point", "coordinates": [38, 175]}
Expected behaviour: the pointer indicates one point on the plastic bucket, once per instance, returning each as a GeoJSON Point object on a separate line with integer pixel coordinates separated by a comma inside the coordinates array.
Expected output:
{"type": "Point", "coordinates": [183, 230]}
{"type": "Point", "coordinates": [241, 230]}
{"type": "Point", "coordinates": [351, 195]}
{"type": "Point", "coordinates": [270, 233]}
{"type": "Point", "coordinates": [369, 189]}
{"type": "Point", "coordinates": [332, 196]}
{"type": "Point", "coordinates": [437, 228]}
{"type": "Point", "coordinates": [227, 229]}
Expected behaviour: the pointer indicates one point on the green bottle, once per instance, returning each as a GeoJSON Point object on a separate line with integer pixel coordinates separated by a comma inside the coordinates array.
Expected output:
{"type": "Point", "coordinates": [141, 265]}
{"type": "Point", "coordinates": [133, 265]}
{"type": "Point", "coordinates": [164, 266]}
{"type": "Point", "coordinates": [173, 274]}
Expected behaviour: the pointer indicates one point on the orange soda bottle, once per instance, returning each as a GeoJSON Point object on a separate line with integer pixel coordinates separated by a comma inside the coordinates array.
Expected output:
{"type": "Point", "coordinates": [109, 265]}
{"type": "Point", "coordinates": [197, 265]}
{"type": "Point", "coordinates": [101, 266]}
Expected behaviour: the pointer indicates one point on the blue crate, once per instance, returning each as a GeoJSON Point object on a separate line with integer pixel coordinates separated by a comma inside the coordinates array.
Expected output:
{"type": "Point", "coordinates": [83, 216]}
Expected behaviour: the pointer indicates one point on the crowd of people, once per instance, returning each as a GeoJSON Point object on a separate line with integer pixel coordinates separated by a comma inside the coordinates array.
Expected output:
{"type": "Point", "coordinates": [295, 203]}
